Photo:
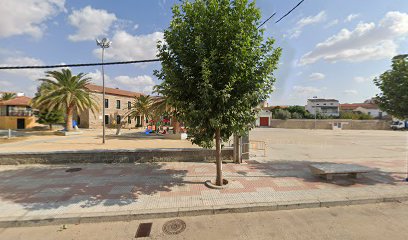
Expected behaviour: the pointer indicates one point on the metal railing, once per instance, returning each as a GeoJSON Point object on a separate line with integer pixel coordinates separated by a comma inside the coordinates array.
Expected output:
{"type": "Point", "coordinates": [256, 145]}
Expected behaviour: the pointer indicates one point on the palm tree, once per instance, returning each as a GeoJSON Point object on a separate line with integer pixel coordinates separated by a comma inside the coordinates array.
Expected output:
{"type": "Point", "coordinates": [66, 92]}
{"type": "Point", "coordinates": [141, 107]}
{"type": "Point", "coordinates": [7, 96]}
{"type": "Point", "coordinates": [162, 105]}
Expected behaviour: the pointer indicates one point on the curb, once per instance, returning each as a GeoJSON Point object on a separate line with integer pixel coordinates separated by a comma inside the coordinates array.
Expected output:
{"type": "Point", "coordinates": [187, 211]}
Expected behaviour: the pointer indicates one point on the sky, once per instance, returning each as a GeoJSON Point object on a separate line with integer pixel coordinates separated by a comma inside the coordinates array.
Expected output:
{"type": "Point", "coordinates": [331, 49]}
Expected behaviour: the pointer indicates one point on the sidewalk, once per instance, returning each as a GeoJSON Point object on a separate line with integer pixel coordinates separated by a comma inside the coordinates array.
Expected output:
{"type": "Point", "coordinates": [101, 192]}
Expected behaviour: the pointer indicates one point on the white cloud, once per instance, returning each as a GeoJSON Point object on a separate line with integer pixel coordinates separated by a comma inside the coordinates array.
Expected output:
{"type": "Point", "coordinates": [351, 92]}
{"type": "Point", "coordinates": [90, 23]}
{"type": "Point", "coordinates": [97, 77]}
{"type": "Point", "coordinates": [27, 16]}
{"type": "Point", "coordinates": [320, 17]}
{"type": "Point", "coordinates": [360, 79]}
{"type": "Point", "coordinates": [142, 83]}
{"type": "Point", "coordinates": [367, 41]}
{"type": "Point", "coordinates": [316, 76]}
{"type": "Point", "coordinates": [305, 90]}
{"type": "Point", "coordinates": [126, 47]}
{"type": "Point", "coordinates": [351, 17]}
{"type": "Point", "coordinates": [332, 23]}
{"type": "Point", "coordinates": [32, 74]}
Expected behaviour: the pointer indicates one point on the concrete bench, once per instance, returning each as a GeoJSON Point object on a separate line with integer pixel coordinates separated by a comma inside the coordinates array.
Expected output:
{"type": "Point", "coordinates": [327, 170]}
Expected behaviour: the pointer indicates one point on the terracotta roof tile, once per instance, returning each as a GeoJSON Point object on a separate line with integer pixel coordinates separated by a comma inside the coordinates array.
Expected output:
{"type": "Point", "coordinates": [353, 106]}
{"type": "Point", "coordinates": [17, 101]}
{"type": "Point", "coordinates": [113, 91]}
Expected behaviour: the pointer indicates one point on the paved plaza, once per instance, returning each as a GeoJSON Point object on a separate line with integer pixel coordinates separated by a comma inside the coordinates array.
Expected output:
{"type": "Point", "coordinates": [90, 139]}
{"type": "Point", "coordinates": [41, 191]}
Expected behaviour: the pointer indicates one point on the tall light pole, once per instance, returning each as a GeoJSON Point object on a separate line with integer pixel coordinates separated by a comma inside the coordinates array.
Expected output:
{"type": "Point", "coordinates": [104, 43]}
{"type": "Point", "coordinates": [315, 97]}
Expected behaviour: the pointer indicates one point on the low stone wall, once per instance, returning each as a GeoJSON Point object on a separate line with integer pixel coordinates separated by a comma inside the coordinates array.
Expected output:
{"type": "Point", "coordinates": [114, 156]}
{"type": "Point", "coordinates": [327, 124]}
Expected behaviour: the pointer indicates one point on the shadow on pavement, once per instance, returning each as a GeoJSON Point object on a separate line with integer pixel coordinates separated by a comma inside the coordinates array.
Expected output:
{"type": "Point", "coordinates": [45, 187]}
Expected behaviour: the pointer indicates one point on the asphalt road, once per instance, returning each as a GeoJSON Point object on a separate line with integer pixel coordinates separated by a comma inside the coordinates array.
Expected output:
{"type": "Point", "coordinates": [374, 221]}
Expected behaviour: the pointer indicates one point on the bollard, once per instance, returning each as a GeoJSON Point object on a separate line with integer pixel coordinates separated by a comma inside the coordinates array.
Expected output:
{"type": "Point", "coordinates": [9, 133]}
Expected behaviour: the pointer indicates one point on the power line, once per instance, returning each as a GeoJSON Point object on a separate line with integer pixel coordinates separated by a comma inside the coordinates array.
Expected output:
{"type": "Point", "coordinates": [266, 20]}
{"type": "Point", "coordinates": [78, 65]}
{"type": "Point", "coordinates": [297, 5]}
{"type": "Point", "coordinates": [126, 62]}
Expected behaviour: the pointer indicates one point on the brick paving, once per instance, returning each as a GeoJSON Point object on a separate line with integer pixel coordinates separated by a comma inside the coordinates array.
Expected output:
{"type": "Point", "coordinates": [48, 190]}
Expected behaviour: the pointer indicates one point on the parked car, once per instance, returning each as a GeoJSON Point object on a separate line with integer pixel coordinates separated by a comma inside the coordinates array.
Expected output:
{"type": "Point", "coordinates": [399, 125]}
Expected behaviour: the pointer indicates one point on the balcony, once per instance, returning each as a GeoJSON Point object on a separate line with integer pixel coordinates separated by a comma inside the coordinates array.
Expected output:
{"type": "Point", "coordinates": [20, 113]}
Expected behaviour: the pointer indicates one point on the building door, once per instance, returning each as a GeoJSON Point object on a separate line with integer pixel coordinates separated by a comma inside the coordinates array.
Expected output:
{"type": "Point", "coordinates": [20, 123]}
{"type": "Point", "coordinates": [264, 121]}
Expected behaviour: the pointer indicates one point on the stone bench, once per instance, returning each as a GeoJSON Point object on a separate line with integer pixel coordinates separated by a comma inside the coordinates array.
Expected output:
{"type": "Point", "coordinates": [327, 170]}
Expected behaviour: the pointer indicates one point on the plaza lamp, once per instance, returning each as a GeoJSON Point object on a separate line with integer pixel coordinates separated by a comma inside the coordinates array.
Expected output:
{"type": "Point", "coordinates": [104, 43]}
{"type": "Point", "coordinates": [315, 97]}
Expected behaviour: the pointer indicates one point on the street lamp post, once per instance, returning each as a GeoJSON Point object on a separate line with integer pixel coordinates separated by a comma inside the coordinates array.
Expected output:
{"type": "Point", "coordinates": [104, 43]}
{"type": "Point", "coordinates": [315, 110]}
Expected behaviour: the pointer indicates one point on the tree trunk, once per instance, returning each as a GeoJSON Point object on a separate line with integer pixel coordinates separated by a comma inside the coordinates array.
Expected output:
{"type": "Point", "coordinates": [175, 124]}
{"type": "Point", "coordinates": [218, 159]}
{"type": "Point", "coordinates": [70, 112]}
{"type": "Point", "coordinates": [50, 126]}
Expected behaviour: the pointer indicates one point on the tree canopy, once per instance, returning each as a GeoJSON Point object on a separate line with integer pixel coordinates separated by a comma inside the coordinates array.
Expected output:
{"type": "Point", "coordinates": [216, 69]}
{"type": "Point", "coordinates": [394, 88]}
{"type": "Point", "coordinates": [216, 66]}
{"type": "Point", "coordinates": [7, 96]}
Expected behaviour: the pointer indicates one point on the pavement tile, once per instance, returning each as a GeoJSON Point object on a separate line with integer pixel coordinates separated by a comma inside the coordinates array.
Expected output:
{"type": "Point", "coordinates": [98, 188]}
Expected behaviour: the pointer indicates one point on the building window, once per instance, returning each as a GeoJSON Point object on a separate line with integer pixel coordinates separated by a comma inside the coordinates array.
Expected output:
{"type": "Point", "coordinates": [117, 104]}
{"type": "Point", "coordinates": [324, 104]}
{"type": "Point", "coordinates": [369, 113]}
{"type": "Point", "coordinates": [129, 120]}
{"type": "Point", "coordinates": [118, 119]}
{"type": "Point", "coordinates": [106, 103]}
{"type": "Point", "coordinates": [106, 119]}
{"type": "Point", "coordinates": [331, 103]}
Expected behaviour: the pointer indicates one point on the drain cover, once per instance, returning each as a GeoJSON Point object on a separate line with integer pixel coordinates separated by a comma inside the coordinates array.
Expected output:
{"type": "Point", "coordinates": [143, 230]}
{"type": "Point", "coordinates": [174, 227]}
{"type": "Point", "coordinates": [73, 170]}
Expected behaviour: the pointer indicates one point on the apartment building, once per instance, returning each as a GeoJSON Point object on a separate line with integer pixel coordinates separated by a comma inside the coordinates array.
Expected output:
{"type": "Point", "coordinates": [327, 107]}
{"type": "Point", "coordinates": [117, 104]}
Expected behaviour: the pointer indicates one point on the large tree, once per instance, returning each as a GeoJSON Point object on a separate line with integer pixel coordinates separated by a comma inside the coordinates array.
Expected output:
{"type": "Point", "coordinates": [66, 92]}
{"type": "Point", "coordinates": [394, 88]}
{"type": "Point", "coordinates": [216, 68]}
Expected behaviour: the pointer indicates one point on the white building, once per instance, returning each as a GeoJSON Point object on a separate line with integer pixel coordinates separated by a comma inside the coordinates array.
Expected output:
{"type": "Point", "coordinates": [328, 107]}
{"type": "Point", "coordinates": [264, 115]}
{"type": "Point", "coordinates": [366, 108]}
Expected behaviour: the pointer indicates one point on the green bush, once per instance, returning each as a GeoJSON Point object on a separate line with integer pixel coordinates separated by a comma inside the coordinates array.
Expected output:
{"type": "Point", "coordinates": [282, 114]}
{"type": "Point", "coordinates": [296, 115]}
